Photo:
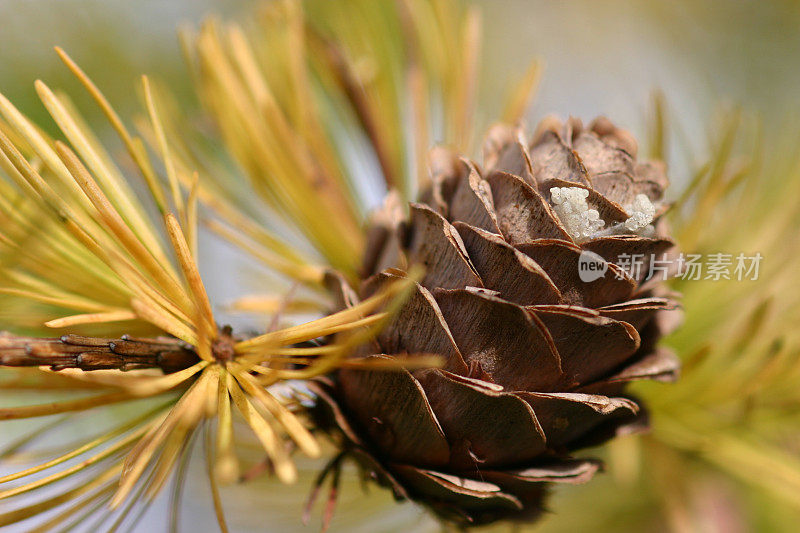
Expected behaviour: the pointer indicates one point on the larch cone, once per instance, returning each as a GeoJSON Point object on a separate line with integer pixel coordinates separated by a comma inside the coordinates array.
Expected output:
{"type": "Point", "coordinates": [536, 357]}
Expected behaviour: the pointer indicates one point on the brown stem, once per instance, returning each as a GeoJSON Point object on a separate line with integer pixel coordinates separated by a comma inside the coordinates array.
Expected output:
{"type": "Point", "coordinates": [92, 353]}
{"type": "Point", "coordinates": [354, 91]}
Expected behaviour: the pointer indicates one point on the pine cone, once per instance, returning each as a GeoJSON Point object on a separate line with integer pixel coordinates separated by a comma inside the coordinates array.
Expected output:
{"type": "Point", "coordinates": [536, 360]}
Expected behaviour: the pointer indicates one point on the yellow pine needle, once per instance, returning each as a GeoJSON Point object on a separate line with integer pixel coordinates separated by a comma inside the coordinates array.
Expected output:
{"type": "Point", "coordinates": [205, 337]}
{"type": "Point", "coordinates": [74, 302]}
{"type": "Point", "coordinates": [70, 256]}
{"type": "Point", "coordinates": [284, 361]}
{"type": "Point", "coordinates": [35, 380]}
{"type": "Point", "coordinates": [246, 64]}
{"type": "Point", "coordinates": [355, 337]}
{"type": "Point", "coordinates": [181, 416]}
{"type": "Point", "coordinates": [164, 320]}
{"type": "Point", "coordinates": [347, 320]}
{"type": "Point", "coordinates": [467, 85]}
{"type": "Point", "coordinates": [172, 178]}
{"type": "Point", "coordinates": [43, 190]}
{"type": "Point", "coordinates": [268, 304]}
{"type": "Point", "coordinates": [115, 224]}
{"type": "Point", "coordinates": [153, 429]}
{"type": "Point", "coordinates": [408, 362]}
{"type": "Point", "coordinates": [253, 80]}
{"type": "Point", "coordinates": [101, 378]}
{"type": "Point", "coordinates": [298, 80]}
{"type": "Point", "coordinates": [315, 212]}
{"type": "Point", "coordinates": [19, 180]}
{"type": "Point", "coordinates": [99, 441]}
{"type": "Point", "coordinates": [9, 450]}
{"type": "Point", "coordinates": [334, 359]}
{"type": "Point", "coordinates": [191, 214]}
{"type": "Point", "coordinates": [268, 375]}
{"type": "Point", "coordinates": [305, 332]}
{"type": "Point", "coordinates": [304, 351]}
{"type": "Point", "coordinates": [136, 151]}
{"type": "Point", "coordinates": [744, 459]}
{"type": "Point", "coordinates": [17, 515]}
{"type": "Point", "coordinates": [15, 137]}
{"type": "Point", "coordinates": [211, 408]}
{"type": "Point", "coordinates": [93, 318]}
{"type": "Point", "coordinates": [140, 285]}
{"type": "Point", "coordinates": [418, 88]}
{"type": "Point", "coordinates": [152, 386]}
{"type": "Point", "coordinates": [452, 59]}
{"type": "Point", "coordinates": [359, 331]}
{"type": "Point", "coordinates": [79, 467]}
{"type": "Point", "coordinates": [68, 406]}
{"type": "Point", "coordinates": [212, 480]}
{"type": "Point", "coordinates": [284, 467]}
{"type": "Point", "coordinates": [187, 165]}
{"type": "Point", "coordinates": [174, 447]}
{"type": "Point", "coordinates": [135, 501]}
{"type": "Point", "coordinates": [286, 418]}
{"type": "Point", "coordinates": [304, 273]}
{"type": "Point", "coordinates": [226, 465]}
{"type": "Point", "coordinates": [190, 271]}
{"type": "Point", "coordinates": [250, 228]}
{"type": "Point", "coordinates": [308, 116]}
{"type": "Point", "coordinates": [522, 94]}
{"type": "Point", "coordinates": [657, 127]}
{"type": "Point", "coordinates": [43, 286]}
{"type": "Point", "coordinates": [98, 498]}
{"type": "Point", "coordinates": [42, 148]}
{"type": "Point", "coordinates": [178, 486]}
{"type": "Point", "coordinates": [105, 250]}
{"type": "Point", "coordinates": [321, 326]}
{"type": "Point", "coordinates": [117, 188]}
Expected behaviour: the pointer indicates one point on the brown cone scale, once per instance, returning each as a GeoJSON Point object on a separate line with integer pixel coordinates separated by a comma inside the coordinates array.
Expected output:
{"type": "Point", "coordinates": [536, 360]}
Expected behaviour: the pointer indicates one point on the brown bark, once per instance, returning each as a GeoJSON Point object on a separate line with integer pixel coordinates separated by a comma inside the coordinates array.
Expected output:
{"type": "Point", "coordinates": [92, 353]}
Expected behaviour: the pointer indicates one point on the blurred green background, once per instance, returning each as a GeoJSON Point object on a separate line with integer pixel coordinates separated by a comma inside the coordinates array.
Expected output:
{"type": "Point", "coordinates": [600, 58]}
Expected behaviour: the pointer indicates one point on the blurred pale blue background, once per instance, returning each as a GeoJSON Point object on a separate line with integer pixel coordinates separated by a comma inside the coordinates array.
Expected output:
{"type": "Point", "coordinates": [601, 57]}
